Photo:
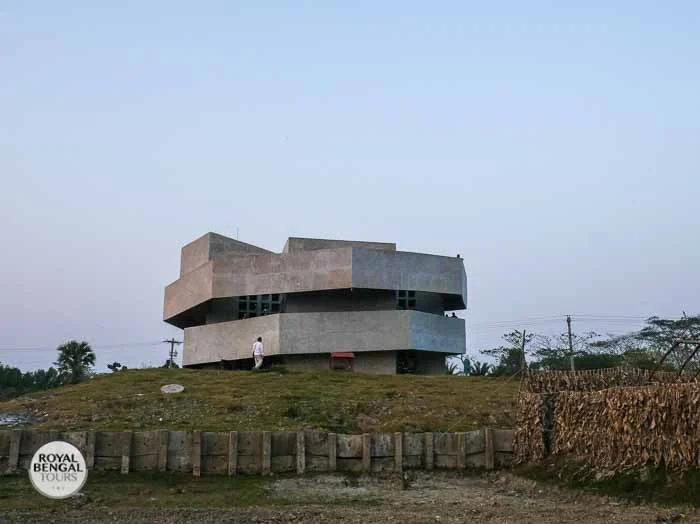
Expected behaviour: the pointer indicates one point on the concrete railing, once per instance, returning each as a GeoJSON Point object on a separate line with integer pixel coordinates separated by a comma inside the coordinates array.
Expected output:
{"type": "Point", "coordinates": [264, 452]}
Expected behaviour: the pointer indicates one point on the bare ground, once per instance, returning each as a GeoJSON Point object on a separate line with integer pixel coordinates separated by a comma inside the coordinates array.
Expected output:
{"type": "Point", "coordinates": [424, 497]}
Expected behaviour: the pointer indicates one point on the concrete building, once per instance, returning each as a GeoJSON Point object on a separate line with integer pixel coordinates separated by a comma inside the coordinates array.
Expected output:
{"type": "Point", "coordinates": [317, 298]}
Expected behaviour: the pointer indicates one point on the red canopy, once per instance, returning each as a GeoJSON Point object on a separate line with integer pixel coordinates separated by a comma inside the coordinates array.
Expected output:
{"type": "Point", "coordinates": [343, 355]}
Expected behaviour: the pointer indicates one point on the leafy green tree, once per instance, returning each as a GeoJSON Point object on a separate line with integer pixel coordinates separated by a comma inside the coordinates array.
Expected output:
{"type": "Point", "coordinates": [44, 379]}
{"type": "Point", "coordinates": [75, 360]}
{"type": "Point", "coordinates": [13, 382]}
{"type": "Point", "coordinates": [114, 366]}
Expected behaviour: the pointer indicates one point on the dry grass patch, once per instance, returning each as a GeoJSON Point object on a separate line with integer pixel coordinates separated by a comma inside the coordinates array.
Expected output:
{"type": "Point", "coordinates": [227, 400]}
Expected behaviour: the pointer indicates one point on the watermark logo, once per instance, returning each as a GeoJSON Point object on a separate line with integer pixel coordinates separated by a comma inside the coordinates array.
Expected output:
{"type": "Point", "coordinates": [58, 470]}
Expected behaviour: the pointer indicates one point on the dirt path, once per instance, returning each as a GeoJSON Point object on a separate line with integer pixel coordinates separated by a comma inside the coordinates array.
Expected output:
{"type": "Point", "coordinates": [434, 498]}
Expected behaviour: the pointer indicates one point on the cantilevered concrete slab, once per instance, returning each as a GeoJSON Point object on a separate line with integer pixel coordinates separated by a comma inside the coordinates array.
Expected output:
{"type": "Point", "coordinates": [317, 270]}
{"type": "Point", "coordinates": [211, 246]}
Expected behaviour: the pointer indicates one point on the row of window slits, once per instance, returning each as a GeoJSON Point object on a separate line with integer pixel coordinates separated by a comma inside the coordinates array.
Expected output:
{"type": "Point", "coordinates": [255, 305]}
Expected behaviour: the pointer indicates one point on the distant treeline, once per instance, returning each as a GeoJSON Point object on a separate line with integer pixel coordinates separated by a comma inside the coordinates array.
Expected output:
{"type": "Point", "coordinates": [14, 382]}
{"type": "Point", "coordinates": [670, 344]}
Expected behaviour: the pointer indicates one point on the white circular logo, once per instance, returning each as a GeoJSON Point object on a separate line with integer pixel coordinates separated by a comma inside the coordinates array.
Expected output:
{"type": "Point", "coordinates": [58, 470]}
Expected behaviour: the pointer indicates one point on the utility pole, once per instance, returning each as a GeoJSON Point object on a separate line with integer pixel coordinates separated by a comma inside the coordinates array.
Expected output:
{"type": "Point", "coordinates": [571, 345]}
{"type": "Point", "coordinates": [522, 364]}
{"type": "Point", "coordinates": [173, 353]}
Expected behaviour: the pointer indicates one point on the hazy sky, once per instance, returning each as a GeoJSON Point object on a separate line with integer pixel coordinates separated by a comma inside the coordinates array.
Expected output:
{"type": "Point", "coordinates": [557, 149]}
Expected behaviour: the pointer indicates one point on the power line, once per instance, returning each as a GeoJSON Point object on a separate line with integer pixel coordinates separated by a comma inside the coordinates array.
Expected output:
{"type": "Point", "coordinates": [109, 346]}
{"type": "Point", "coordinates": [477, 327]}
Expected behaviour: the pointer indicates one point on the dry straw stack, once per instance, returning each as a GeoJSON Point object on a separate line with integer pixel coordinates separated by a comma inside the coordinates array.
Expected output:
{"type": "Point", "coordinates": [595, 380]}
{"type": "Point", "coordinates": [528, 442]}
{"type": "Point", "coordinates": [616, 419]}
{"type": "Point", "coordinates": [624, 428]}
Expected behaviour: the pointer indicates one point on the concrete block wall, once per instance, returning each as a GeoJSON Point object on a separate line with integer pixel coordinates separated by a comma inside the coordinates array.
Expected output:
{"type": "Point", "coordinates": [265, 452]}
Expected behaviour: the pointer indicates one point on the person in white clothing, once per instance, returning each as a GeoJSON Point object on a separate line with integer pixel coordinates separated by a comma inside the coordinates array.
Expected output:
{"type": "Point", "coordinates": [258, 353]}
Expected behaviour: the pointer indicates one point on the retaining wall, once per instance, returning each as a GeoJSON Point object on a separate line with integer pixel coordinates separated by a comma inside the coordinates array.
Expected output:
{"type": "Point", "coordinates": [264, 452]}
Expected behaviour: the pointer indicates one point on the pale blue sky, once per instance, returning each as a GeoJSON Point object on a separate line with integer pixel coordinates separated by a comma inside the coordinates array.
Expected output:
{"type": "Point", "coordinates": [555, 148]}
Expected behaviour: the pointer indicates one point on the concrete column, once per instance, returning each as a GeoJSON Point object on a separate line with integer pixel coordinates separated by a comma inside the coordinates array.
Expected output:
{"type": "Point", "coordinates": [301, 453]}
{"type": "Point", "coordinates": [398, 452]}
{"type": "Point", "coordinates": [196, 453]}
{"type": "Point", "coordinates": [332, 451]}
{"type": "Point", "coordinates": [232, 452]}
{"type": "Point", "coordinates": [366, 452]}
{"type": "Point", "coordinates": [266, 452]}
{"type": "Point", "coordinates": [126, 451]}
{"type": "Point", "coordinates": [428, 445]}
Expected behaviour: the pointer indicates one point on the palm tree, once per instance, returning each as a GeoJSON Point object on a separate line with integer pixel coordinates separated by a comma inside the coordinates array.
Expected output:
{"type": "Point", "coordinates": [479, 369]}
{"type": "Point", "coordinates": [74, 360]}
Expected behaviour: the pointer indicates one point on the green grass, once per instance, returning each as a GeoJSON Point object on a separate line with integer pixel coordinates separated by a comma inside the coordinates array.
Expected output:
{"type": "Point", "coordinates": [254, 401]}
{"type": "Point", "coordinates": [651, 485]}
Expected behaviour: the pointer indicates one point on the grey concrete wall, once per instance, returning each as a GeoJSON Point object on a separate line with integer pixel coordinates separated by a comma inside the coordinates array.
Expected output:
{"type": "Point", "coordinates": [306, 363]}
{"type": "Point", "coordinates": [327, 269]}
{"type": "Point", "coordinates": [314, 333]}
{"type": "Point", "coordinates": [194, 254]}
{"type": "Point", "coordinates": [437, 333]}
{"type": "Point", "coordinates": [295, 244]}
{"type": "Point", "coordinates": [288, 273]}
{"type": "Point", "coordinates": [344, 331]}
{"type": "Point", "coordinates": [212, 245]}
{"type": "Point", "coordinates": [188, 291]}
{"type": "Point", "coordinates": [376, 363]}
{"type": "Point", "coordinates": [265, 452]}
{"type": "Point", "coordinates": [230, 340]}
{"type": "Point", "coordinates": [410, 271]}
{"type": "Point", "coordinates": [220, 245]}
{"type": "Point", "coordinates": [341, 300]}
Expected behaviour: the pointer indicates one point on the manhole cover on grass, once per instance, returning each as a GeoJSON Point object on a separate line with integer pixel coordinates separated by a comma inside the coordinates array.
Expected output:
{"type": "Point", "coordinates": [172, 388]}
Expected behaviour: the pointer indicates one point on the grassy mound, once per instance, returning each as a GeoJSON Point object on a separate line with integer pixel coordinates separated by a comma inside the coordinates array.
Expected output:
{"type": "Point", "coordinates": [272, 400]}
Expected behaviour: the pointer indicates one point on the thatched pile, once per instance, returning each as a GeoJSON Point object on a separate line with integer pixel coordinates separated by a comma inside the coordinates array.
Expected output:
{"type": "Point", "coordinates": [595, 380]}
{"type": "Point", "coordinates": [624, 428]}
{"type": "Point", "coordinates": [615, 418]}
{"type": "Point", "coordinates": [528, 442]}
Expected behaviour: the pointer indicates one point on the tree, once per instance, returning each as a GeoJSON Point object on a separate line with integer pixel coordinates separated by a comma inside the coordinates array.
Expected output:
{"type": "Point", "coordinates": [554, 352]}
{"type": "Point", "coordinates": [661, 335]}
{"type": "Point", "coordinates": [14, 383]}
{"type": "Point", "coordinates": [645, 348]}
{"type": "Point", "coordinates": [480, 369]}
{"type": "Point", "coordinates": [114, 366]}
{"type": "Point", "coordinates": [75, 360]}
{"type": "Point", "coordinates": [510, 358]}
